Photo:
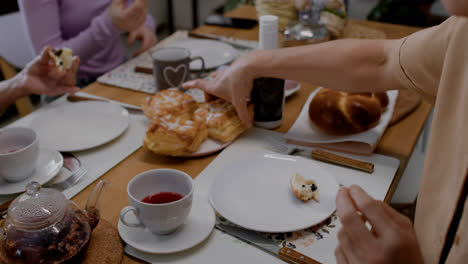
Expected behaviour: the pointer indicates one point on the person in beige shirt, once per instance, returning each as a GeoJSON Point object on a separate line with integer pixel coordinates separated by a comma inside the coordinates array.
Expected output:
{"type": "Point", "coordinates": [433, 62]}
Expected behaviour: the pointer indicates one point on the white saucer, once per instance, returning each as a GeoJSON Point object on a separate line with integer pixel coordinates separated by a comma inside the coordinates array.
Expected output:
{"type": "Point", "coordinates": [48, 165]}
{"type": "Point", "coordinates": [291, 87]}
{"type": "Point", "coordinates": [197, 228]}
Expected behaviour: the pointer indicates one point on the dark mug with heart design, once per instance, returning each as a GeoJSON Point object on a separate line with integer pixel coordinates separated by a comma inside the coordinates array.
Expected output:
{"type": "Point", "coordinates": [171, 67]}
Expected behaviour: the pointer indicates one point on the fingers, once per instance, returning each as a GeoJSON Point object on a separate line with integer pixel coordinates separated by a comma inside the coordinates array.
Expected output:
{"type": "Point", "coordinates": [148, 39]}
{"type": "Point", "coordinates": [120, 3]}
{"type": "Point", "coordinates": [350, 250]}
{"type": "Point", "coordinates": [140, 3]}
{"type": "Point", "coordinates": [44, 57]}
{"type": "Point", "coordinates": [138, 8]}
{"type": "Point", "coordinates": [132, 37]}
{"type": "Point", "coordinates": [398, 218]}
{"type": "Point", "coordinates": [70, 76]}
{"type": "Point", "coordinates": [216, 73]}
{"type": "Point", "coordinates": [62, 89]}
{"type": "Point", "coordinates": [243, 112]}
{"type": "Point", "coordinates": [340, 257]}
{"type": "Point", "coordinates": [198, 83]}
{"type": "Point", "coordinates": [349, 217]}
{"type": "Point", "coordinates": [373, 210]}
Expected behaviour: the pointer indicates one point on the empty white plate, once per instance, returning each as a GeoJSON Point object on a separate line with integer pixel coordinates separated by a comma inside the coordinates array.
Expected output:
{"type": "Point", "coordinates": [214, 53]}
{"type": "Point", "coordinates": [80, 126]}
{"type": "Point", "coordinates": [196, 228]}
{"type": "Point", "coordinates": [48, 165]}
{"type": "Point", "coordinates": [255, 193]}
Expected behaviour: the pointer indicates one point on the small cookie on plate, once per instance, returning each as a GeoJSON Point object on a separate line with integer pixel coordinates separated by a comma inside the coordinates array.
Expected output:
{"type": "Point", "coordinates": [169, 102]}
{"type": "Point", "coordinates": [221, 119]}
{"type": "Point", "coordinates": [63, 58]}
{"type": "Point", "coordinates": [175, 135]}
{"type": "Point", "coordinates": [304, 189]}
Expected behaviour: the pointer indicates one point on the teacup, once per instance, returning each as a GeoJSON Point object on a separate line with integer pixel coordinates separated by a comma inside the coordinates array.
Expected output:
{"type": "Point", "coordinates": [171, 67]}
{"type": "Point", "coordinates": [19, 150]}
{"type": "Point", "coordinates": [161, 218]}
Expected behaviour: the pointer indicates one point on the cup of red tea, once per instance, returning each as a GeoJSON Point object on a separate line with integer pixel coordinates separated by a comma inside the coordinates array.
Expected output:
{"type": "Point", "coordinates": [19, 150]}
{"type": "Point", "coordinates": [160, 199]}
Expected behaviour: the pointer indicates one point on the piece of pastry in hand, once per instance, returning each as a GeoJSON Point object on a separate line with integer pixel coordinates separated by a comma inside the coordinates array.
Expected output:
{"type": "Point", "coordinates": [175, 135]}
{"type": "Point", "coordinates": [221, 120]}
{"type": "Point", "coordinates": [304, 190]}
{"type": "Point", "coordinates": [63, 58]}
{"type": "Point", "coordinates": [341, 113]}
{"type": "Point", "coordinates": [169, 102]}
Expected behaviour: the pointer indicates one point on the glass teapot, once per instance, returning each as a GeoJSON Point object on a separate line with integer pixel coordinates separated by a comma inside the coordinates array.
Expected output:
{"type": "Point", "coordinates": [43, 226]}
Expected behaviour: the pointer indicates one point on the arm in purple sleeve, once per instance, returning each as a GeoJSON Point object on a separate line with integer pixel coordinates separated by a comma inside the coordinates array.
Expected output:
{"type": "Point", "coordinates": [43, 22]}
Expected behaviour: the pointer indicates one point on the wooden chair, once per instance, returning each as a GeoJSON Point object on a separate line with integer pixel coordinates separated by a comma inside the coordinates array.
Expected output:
{"type": "Point", "coordinates": [24, 104]}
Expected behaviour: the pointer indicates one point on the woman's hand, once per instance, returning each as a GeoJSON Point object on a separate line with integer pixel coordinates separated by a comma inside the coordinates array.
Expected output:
{"type": "Point", "coordinates": [41, 76]}
{"type": "Point", "coordinates": [233, 84]}
{"type": "Point", "coordinates": [391, 239]}
{"type": "Point", "coordinates": [147, 37]}
{"type": "Point", "coordinates": [128, 18]}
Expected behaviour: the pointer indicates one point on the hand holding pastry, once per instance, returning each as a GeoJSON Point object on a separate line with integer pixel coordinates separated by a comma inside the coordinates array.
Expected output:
{"type": "Point", "coordinates": [42, 76]}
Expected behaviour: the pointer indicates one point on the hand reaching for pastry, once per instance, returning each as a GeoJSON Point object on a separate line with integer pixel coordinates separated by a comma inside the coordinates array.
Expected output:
{"type": "Point", "coordinates": [233, 84]}
{"type": "Point", "coordinates": [391, 240]}
{"type": "Point", "coordinates": [128, 18]}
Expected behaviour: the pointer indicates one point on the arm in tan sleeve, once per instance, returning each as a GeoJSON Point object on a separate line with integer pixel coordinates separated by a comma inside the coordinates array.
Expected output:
{"type": "Point", "coordinates": [421, 57]}
{"type": "Point", "coordinates": [355, 65]}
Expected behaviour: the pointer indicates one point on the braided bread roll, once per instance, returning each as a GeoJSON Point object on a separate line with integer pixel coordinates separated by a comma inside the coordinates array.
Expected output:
{"type": "Point", "coordinates": [341, 113]}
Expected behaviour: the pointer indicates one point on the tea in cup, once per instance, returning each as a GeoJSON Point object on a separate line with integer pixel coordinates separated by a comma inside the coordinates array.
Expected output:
{"type": "Point", "coordinates": [160, 199]}
{"type": "Point", "coordinates": [19, 151]}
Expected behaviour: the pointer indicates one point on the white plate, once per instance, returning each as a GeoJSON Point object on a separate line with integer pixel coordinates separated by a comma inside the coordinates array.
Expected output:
{"type": "Point", "coordinates": [80, 126]}
{"type": "Point", "coordinates": [208, 147]}
{"type": "Point", "coordinates": [291, 87]}
{"type": "Point", "coordinates": [214, 53]}
{"type": "Point", "coordinates": [48, 165]}
{"type": "Point", "coordinates": [255, 193]}
{"type": "Point", "coordinates": [197, 228]}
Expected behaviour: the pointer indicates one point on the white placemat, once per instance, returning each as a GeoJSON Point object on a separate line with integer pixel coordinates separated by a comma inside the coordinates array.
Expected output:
{"type": "Point", "coordinates": [303, 132]}
{"type": "Point", "coordinates": [100, 159]}
{"type": "Point", "coordinates": [318, 242]}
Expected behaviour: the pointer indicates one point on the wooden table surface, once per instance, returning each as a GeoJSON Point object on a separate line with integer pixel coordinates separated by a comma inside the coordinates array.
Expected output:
{"type": "Point", "coordinates": [398, 141]}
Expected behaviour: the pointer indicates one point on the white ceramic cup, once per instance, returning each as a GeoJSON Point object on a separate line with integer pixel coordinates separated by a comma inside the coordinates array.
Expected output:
{"type": "Point", "coordinates": [19, 150]}
{"type": "Point", "coordinates": [159, 218]}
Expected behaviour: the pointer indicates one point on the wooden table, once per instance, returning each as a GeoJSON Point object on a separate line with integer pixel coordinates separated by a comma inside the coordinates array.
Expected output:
{"type": "Point", "coordinates": [398, 140]}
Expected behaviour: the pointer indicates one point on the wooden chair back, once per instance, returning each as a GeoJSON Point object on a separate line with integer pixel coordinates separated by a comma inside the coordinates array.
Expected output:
{"type": "Point", "coordinates": [23, 105]}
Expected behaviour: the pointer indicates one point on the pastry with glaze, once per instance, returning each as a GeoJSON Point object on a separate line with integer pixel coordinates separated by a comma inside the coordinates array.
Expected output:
{"type": "Point", "coordinates": [221, 120]}
{"type": "Point", "coordinates": [169, 102]}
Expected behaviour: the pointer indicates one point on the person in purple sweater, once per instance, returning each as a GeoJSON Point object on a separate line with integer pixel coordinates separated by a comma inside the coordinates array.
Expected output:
{"type": "Point", "coordinates": [91, 28]}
